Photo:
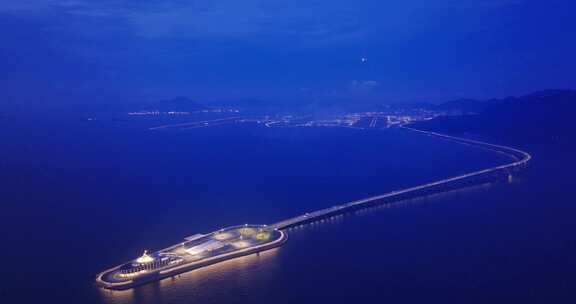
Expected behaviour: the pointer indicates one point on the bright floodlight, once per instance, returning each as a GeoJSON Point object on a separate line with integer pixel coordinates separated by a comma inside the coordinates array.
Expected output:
{"type": "Point", "coordinates": [145, 258]}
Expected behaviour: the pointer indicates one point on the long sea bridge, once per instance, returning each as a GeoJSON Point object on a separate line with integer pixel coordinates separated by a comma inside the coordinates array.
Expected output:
{"type": "Point", "coordinates": [518, 158]}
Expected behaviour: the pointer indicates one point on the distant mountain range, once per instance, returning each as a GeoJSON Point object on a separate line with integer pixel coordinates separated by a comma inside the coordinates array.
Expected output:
{"type": "Point", "coordinates": [465, 105]}
{"type": "Point", "coordinates": [541, 116]}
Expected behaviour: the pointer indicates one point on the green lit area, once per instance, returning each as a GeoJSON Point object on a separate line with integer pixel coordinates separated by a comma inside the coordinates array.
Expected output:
{"type": "Point", "coordinates": [195, 252]}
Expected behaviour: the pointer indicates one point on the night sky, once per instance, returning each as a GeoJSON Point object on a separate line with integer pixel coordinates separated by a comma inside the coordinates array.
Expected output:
{"type": "Point", "coordinates": [80, 52]}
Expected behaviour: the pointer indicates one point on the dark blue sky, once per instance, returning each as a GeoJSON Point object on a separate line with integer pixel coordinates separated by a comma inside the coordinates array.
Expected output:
{"type": "Point", "coordinates": [61, 52]}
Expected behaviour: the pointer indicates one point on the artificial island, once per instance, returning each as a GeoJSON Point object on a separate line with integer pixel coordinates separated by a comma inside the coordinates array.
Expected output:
{"type": "Point", "coordinates": [196, 251]}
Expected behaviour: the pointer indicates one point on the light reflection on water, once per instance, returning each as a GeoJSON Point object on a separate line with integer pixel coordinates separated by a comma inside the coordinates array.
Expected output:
{"type": "Point", "coordinates": [117, 296]}
{"type": "Point", "coordinates": [430, 198]}
{"type": "Point", "coordinates": [240, 270]}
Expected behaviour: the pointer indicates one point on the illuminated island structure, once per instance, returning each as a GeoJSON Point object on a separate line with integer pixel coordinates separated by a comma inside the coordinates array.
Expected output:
{"type": "Point", "coordinates": [195, 252]}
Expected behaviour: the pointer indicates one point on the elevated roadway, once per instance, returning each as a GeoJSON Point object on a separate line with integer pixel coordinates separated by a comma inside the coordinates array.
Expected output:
{"type": "Point", "coordinates": [518, 158]}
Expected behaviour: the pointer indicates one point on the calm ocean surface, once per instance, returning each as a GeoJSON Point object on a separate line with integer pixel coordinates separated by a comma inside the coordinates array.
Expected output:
{"type": "Point", "coordinates": [81, 196]}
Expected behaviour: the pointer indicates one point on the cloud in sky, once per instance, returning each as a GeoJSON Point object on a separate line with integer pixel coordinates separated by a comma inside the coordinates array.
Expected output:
{"type": "Point", "coordinates": [203, 19]}
{"type": "Point", "coordinates": [316, 20]}
{"type": "Point", "coordinates": [270, 48]}
{"type": "Point", "coordinates": [363, 86]}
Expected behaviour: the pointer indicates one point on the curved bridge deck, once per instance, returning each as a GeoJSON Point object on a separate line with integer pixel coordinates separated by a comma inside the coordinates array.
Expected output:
{"type": "Point", "coordinates": [519, 159]}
